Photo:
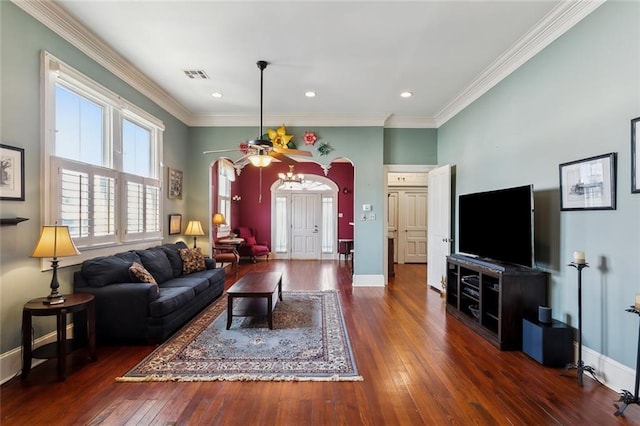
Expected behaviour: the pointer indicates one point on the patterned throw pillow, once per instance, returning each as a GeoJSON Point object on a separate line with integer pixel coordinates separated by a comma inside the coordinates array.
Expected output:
{"type": "Point", "coordinates": [139, 271]}
{"type": "Point", "coordinates": [192, 260]}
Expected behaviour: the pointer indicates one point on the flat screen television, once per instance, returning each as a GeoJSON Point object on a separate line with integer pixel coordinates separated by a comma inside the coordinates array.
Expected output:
{"type": "Point", "coordinates": [497, 225]}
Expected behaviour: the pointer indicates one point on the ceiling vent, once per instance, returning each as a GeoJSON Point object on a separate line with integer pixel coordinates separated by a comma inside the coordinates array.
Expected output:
{"type": "Point", "coordinates": [196, 74]}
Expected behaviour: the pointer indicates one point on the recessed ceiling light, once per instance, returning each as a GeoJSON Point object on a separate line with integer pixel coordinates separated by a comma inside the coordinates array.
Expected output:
{"type": "Point", "coordinates": [406, 94]}
{"type": "Point", "coordinates": [310, 94]}
{"type": "Point", "coordinates": [216, 95]}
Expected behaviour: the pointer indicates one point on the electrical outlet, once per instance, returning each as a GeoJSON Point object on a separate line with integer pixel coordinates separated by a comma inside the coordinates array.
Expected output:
{"type": "Point", "coordinates": [372, 216]}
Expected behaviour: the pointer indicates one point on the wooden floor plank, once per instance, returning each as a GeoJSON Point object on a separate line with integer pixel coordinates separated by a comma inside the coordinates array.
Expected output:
{"type": "Point", "coordinates": [420, 366]}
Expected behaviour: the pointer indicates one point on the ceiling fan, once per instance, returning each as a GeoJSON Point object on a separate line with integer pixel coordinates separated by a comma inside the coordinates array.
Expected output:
{"type": "Point", "coordinates": [261, 151]}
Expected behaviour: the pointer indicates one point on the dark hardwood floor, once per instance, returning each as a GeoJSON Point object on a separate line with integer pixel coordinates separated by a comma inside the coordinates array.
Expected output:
{"type": "Point", "coordinates": [419, 365]}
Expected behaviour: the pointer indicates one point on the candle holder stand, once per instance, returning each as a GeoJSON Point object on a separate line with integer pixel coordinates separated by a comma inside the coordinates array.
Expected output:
{"type": "Point", "coordinates": [627, 397]}
{"type": "Point", "coordinates": [579, 366]}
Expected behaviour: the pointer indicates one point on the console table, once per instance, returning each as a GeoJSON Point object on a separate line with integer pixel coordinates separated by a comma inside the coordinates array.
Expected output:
{"type": "Point", "coordinates": [59, 349]}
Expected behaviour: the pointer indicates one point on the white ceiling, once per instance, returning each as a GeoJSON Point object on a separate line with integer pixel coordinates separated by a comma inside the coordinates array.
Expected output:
{"type": "Point", "coordinates": [358, 56]}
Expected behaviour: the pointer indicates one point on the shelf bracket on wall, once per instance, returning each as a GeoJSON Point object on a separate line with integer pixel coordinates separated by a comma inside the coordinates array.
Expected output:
{"type": "Point", "coordinates": [12, 220]}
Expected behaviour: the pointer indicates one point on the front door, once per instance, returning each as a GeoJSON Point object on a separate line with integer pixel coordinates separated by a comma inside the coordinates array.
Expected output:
{"type": "Point", "coordinates": [305, 226]}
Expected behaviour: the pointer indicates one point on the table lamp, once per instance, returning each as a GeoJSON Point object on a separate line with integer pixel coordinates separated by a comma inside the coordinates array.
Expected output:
{"type": "Point", "coordinates": [217, 220]}
{"type": "Point", "coordinates": [54, 242]}
{"type": "Point", "coordinates": [194, 227]}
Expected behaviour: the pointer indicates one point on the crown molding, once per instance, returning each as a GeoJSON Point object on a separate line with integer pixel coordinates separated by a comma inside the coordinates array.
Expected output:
{"type": "Point", "coordinates": [399, 121]}
{"type": "Point", "coordinates": [558, 21]}
{"type": "Point", "coordinates": [60, 22]}
{"type": "Point", "coordinates": [293, 120]}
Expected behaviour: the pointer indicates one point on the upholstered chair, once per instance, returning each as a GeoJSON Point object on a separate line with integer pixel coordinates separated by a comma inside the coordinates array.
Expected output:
{"type": "Point", "coordinates": [251, 248]}
{"type": "Point", "coordinates": [226, 254]}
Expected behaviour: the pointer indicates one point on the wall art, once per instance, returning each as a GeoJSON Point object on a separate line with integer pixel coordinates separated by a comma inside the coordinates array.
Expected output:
{"type": "Point", "coordinates": [11, 173]}
{"type": "Point", "coordinates": [589, 184]}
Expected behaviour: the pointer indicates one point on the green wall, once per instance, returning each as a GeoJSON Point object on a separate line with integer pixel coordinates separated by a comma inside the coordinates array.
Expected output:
{"type": "Point", "coordinates": [411, 146]}
{"type": "Point", "coordinates": [573, 100]}
{"type": "Point", "coordinates": [22, 39]}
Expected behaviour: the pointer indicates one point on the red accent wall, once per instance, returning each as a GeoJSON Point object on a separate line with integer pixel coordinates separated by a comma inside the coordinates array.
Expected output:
{"type": "Point", "coordinates": [250, 212]}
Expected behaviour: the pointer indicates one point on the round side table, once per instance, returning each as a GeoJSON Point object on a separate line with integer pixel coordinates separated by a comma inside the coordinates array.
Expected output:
{"type": "Point", "coordinates": [73, 303]}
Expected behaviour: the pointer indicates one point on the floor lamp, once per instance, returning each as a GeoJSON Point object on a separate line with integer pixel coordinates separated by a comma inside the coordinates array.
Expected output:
{"type": "Point", "coordinates": [217, 220]}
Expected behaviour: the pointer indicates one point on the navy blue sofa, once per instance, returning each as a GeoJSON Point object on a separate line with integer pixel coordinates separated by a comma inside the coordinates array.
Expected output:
{"type": "Point", "coordinates": [129, 310]}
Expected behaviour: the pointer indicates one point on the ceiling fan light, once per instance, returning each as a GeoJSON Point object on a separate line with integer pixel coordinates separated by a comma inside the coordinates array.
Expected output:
{"type": "Point", "coordinates": [260, 160]}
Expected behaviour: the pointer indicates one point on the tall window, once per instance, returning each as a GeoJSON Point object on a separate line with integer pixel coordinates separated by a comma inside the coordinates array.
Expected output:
{"type": "Point", "coordinates": [103, 155]}
{"type": "Point", "coordinates": [226, 175]}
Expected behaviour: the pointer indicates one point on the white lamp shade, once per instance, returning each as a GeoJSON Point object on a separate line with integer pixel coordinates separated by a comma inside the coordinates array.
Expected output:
{"type": "Point", "coordinates": [194, 228]}
{"type": "Point", "coordinates": [218, 219]}
{"type": "Point", "coordinates": [55, 241]}
{"type": "Point", "coordinates": [260, 160]}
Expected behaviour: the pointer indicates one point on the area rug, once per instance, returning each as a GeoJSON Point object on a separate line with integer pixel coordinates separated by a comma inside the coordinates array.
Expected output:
{"type": "Point", "coordinates": [309, 342]}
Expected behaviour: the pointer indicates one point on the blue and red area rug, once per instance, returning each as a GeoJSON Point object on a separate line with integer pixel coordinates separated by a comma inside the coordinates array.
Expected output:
{"type": "Point", "coordinates": [309, 342]}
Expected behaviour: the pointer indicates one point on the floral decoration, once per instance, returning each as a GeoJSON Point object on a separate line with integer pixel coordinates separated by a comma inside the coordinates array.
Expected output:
{"type": "Point", "coordinates": [309, 138]}
{"type": "Point", "coordinates": [244, 147]}
{"type": "Point", "coordinates": [279, 137]}
{"type": "Point", "coordinates": [324, 148]}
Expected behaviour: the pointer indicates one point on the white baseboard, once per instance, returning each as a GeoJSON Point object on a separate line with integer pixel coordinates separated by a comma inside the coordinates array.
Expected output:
{"type": "Point", "coordinates": [368, 281]}
{"type": "Point", "coordinates": [11, 362]}
{"type": "Point", "coordinates": [610, 372]}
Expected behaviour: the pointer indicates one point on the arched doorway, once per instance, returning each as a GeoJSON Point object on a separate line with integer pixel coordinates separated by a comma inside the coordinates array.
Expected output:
{"type": "Point", "coordinates": [304, 219]}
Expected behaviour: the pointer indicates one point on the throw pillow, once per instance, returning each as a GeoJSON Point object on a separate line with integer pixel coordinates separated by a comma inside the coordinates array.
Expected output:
{"type": "Point", "coordinates": [251, 241]}
{"type": "Point", "coordinates": [192, 260]}
{"type": "Point", "coordinates": [139, 271]}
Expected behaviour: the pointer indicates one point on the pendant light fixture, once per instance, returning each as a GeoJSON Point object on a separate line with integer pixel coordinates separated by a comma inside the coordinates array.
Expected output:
{"type": "Point", "coordinates": [262, 158]}
{"type": "Point", "coordinates": [290, 176]}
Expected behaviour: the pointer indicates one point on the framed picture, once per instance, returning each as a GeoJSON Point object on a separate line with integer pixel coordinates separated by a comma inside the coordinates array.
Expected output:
{"type": "Point", "coordinates": [11, 173]}
{"type": "Point", "coordinates": [635, 155]}
{"type": "Point", "coordinates": [175, 184]}
{"type": "Point", "coordinates": [589, 184]}
{"type": "Point", "coordinates": [175, 224]}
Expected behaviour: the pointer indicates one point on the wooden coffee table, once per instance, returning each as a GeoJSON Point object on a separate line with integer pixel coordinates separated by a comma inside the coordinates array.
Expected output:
{"type": "Point", "coordinates": [252, 288]}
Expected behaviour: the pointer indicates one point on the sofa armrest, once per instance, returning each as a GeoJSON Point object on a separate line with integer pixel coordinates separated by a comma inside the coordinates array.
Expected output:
{"type": "Point", "coordinates": [122, 309]}
{"type": "Point", "coordinates": [209, 263]}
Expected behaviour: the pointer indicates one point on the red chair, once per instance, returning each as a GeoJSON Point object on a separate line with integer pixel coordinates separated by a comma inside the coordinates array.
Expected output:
{"type": "Point", "coordinates": [250, 247]}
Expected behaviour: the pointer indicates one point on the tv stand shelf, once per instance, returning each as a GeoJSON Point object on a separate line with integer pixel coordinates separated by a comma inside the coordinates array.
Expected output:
{"type": "Point", "coordinates": [493, 298]}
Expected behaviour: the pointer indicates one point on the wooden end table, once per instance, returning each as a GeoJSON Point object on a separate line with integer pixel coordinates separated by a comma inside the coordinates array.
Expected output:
{"type": "Point", "coordinates": [58, 349]}
{"type": "Point", "coordinates": [253, 287]}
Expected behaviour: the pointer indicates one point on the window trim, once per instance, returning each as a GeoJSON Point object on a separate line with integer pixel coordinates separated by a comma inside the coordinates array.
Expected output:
{"type": "Point", "coordinates": [53, 72]}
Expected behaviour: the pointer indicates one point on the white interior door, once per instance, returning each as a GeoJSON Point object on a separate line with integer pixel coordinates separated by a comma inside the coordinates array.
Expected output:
{"type": "Point", "coordinates": [392, 221]}
{"type": "Point", "coordinates": [306, 219]}
{"type": "Point", "coordinates": [439, 225]}
{"type": "Point", "coordinates": [413, 227]}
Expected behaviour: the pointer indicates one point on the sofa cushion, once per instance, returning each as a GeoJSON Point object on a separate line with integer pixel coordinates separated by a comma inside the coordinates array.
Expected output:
{"type": "Point", "coordinates": [172, 250]}
{"type": "Point", "coordinates": [198, 284]}
{"type": "Point", "coordinates": [214, 276]}
{"type": "Point", "coordinates": [171, 299]}
{"type": "Point", "coordinates": [156, 261]}
{"type": "Point", "coordinates": [105, 270]}
{"type": "Point", "coordinates": [192, 260]}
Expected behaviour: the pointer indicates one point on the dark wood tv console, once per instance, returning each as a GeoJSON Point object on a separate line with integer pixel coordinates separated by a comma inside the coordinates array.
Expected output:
{"type": "Point", "coordinates": [493, 298]}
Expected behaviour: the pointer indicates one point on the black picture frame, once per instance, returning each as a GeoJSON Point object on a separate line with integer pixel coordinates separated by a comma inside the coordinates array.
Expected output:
{"type": "Point", "coordinates": [174, 188]}
{"type": "Point", "coordinates": [11, 173]}
{"type": "Point", "coordinates": [635, 156]}
{"type": "Point", "coordinates": [589, 184]}
{"type": "Point", "coordinates": [175, 224]}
